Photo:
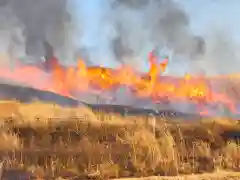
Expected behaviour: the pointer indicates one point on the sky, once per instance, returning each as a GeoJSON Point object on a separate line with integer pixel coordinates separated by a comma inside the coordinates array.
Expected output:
{"type": "Point", "coordinates": [220, 14]}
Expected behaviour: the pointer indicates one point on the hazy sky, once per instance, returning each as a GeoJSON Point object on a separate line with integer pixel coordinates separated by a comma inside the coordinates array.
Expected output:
{"type": "Point", "coordinates": [207, 14]}
{"type": "Point", "coordinates": [221, 15]}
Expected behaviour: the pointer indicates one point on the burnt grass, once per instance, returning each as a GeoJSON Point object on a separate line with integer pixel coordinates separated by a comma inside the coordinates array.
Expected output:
{"type": "Point", "coordinates": [85, 143]}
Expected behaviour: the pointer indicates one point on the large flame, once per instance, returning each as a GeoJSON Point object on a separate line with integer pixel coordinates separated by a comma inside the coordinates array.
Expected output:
{"type": "Point", "coordinates": [68, 81]}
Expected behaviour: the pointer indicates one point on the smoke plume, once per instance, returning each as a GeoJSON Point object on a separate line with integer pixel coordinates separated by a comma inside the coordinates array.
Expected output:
{"type": "Point", "coordinates": [124, 31]}
{"type": "Point", "coordinates": [107, 32]}
{"type": "Point", "coordinates": [37, 21]}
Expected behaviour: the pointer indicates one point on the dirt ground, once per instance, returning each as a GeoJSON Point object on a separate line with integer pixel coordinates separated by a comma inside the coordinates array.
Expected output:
{"type": "Point", "coordinates": [47, 141]}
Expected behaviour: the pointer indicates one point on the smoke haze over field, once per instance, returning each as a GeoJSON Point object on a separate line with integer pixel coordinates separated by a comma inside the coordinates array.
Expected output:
{"type": "Point", "coordinates": [111, 32]}
{"type": "Point", "coordinates": [29, 23]}
{"type": "Point", "coordinates": [126, 30]}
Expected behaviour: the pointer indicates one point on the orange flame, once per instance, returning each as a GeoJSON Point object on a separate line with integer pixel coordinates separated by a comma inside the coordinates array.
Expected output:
{"type": "Point", "coordinates": [70, 80]}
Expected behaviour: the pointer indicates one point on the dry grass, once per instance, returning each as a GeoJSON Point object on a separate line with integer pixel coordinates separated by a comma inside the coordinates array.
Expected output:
{"type": "Point", "coordinates": [51, 141]}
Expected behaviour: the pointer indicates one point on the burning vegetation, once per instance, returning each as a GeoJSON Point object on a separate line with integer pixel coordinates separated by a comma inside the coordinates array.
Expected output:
{"type": "Point", "coordinates": [203, 92]}
{"type": "Point", "coordinates": [100, 141]}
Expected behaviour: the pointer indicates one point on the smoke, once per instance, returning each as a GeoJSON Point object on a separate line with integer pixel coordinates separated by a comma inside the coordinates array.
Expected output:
{"type": "Point", "coordinates": [106, 32]}
{"type": "Point", "coordinates": [37, 22]}
{"type": "Point", "coordinates": [222, 55]}
{"type": "Point", "coordinates": [109, 33]}
{"type": "Point", "coordinates": [97, 29]}
{"type": "Point", "coordinates": [124, 31]}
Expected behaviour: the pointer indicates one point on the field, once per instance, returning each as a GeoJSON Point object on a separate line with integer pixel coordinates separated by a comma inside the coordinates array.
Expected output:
{"type": "Point", "coordinates": [47, 141]}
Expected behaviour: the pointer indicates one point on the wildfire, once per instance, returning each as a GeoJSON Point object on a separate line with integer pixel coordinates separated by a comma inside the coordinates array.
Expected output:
{"type": "Point", "coordinates": [70, 80]}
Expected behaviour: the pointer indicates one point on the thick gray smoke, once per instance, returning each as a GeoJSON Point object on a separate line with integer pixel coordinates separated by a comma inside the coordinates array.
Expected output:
{"type": "Point", "coordinates": [126, 30]}
{"type": "Point", "coordinates": [157, 23]}
{"type": "Point", "coordinates": [109, 33]}
{"type": "Point", "coordinates": [105, 32]}
{"type": "Point", "coordinates": [31, 23]}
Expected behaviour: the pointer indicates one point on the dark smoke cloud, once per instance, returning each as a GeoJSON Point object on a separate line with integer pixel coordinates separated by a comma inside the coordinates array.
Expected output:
{"type": "Point", "coordinates": [41, 21]}
{"type": "Point", "coordinates": [118, 30]}
{"type": "Point", "coordinates": [157, 22]}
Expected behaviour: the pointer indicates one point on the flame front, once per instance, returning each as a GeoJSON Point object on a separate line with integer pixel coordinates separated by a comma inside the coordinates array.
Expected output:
{"type": "Point", "coordinates": [68, 81]}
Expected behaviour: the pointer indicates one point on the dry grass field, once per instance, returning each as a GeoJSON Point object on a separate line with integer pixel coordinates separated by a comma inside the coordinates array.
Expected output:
{"type": "Point", "coordinates": [49, 142]}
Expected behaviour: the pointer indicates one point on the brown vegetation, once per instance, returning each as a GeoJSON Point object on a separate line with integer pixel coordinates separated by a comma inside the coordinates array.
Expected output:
{"type": "Point", "coordinates": [50, 141]}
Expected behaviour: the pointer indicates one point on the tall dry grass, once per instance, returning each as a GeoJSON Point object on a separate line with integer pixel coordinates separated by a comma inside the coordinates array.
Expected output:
{"type": "Point", "coordinates": [49, 140]}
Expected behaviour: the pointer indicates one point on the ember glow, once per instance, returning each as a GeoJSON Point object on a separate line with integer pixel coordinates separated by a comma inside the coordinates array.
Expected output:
{"type": "Point", "coordinates": [69, 81]}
